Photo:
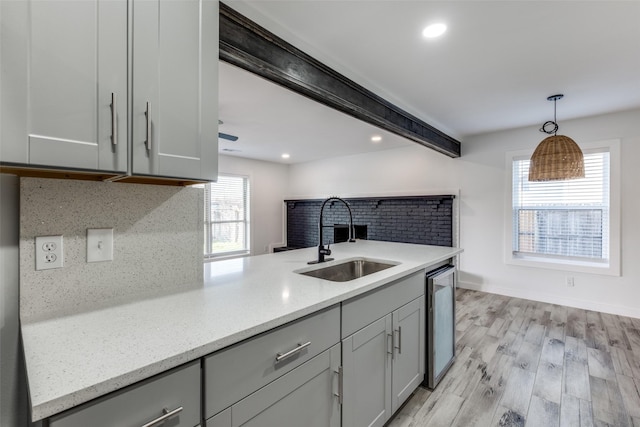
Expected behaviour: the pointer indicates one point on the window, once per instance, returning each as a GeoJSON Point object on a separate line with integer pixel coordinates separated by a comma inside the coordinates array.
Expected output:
{"type": "Point", "coordinates": [226, 217]}
{"type": "Point", "coordinates": [566, 224]}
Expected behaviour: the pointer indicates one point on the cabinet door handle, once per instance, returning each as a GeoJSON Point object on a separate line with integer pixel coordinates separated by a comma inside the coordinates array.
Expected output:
{"type": "Point", "coordinates": [147, 113]}
{"type": "Point", "coordinates": [390, 349]}
{"type": "Point", "coordinates": [114, 121]}
{"type": "Point", "coordinates": [300, 347]}
{"type": "Point", "coordinates": [399, 347]}
{"type": "Point", "coordinates": [166, 414]}
{"type": "Point", "coordinates": [339, 394]}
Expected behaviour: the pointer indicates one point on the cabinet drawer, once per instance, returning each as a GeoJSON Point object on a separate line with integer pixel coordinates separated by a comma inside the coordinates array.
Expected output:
{"type": "Point", "coordinates": [362, 310]}
{"type": "Point", "coordinates": [233, 373]}
{"type": "Point", "coordinates": [307, 397]}
{"type": "Point", "coordinates": [141, 403]}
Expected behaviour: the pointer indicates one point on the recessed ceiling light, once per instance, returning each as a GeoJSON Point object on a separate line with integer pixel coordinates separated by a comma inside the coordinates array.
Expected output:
{"type": "Point", "coordinates": [285, 156]}
{"type": "Point", "coordinates": [434, 30]}
{"type": "Point", "coordinates": [376, 138]}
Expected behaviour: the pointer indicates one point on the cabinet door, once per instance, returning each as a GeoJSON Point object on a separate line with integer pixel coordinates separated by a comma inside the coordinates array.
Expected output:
{"type": "Point", "coordinates": [75, 58]}
{"type": "Point", "coordinates": [366, 359]}
{"type": "Point", "coordinates": [14, 20]}
{"type": "Point", "coordinates": [306, 396]}
{"type": "Point", "coordinates": [175, 88]}
{"type": "Point", "coordinates": [408, 351]}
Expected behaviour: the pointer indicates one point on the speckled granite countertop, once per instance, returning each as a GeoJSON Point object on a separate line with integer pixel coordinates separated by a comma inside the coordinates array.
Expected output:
{"type": "Point", "coordinates": [73, 359]}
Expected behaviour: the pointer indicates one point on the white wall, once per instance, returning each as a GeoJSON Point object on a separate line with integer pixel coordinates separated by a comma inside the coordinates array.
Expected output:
{"type": "Point", "coordinates": [481, 179]}
{"type": "Point", "coordinates": [268, 183]}
{"type": "Point", "coordinates": [403, 171]}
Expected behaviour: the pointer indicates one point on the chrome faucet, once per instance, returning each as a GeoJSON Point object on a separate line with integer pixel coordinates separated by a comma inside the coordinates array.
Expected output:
{"type": "Point", "coordinates": [322, 251]}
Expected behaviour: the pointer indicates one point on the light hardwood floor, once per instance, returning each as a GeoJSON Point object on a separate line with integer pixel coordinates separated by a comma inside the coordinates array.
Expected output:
{"type": "Point", "coordinates": [527, 363]}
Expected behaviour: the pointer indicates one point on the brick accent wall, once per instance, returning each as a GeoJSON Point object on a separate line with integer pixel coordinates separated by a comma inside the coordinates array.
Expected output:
{"type": "Point", "coordinates": [426, 220]}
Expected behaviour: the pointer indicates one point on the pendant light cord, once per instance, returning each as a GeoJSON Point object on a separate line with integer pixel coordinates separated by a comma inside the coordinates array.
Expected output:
{"type": "Point", "coordinates": [555, 121]}
{"type": "Point", "coordinates": [553, 124]}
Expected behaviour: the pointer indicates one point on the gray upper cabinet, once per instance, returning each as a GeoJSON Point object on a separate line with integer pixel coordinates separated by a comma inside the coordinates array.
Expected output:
{"type": "Point", "coordinates": [128, 88]}
{"type": "Point", "coordinates": [64, 84]}
{"type": "Point", "coordinates": [175, 89]}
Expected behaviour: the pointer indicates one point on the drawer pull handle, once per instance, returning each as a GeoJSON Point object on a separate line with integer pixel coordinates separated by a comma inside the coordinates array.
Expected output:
{"type": "Point", "coordinates": [399, 346]}
{"type": "Point", "coordinates": [166, 414]}
{"type": "Point", "coordinates": [340, 392]}
{"type": "Point", "coordinates": [114, 120]}
{"type": "Point", "coordinates": [300, 347]}
{"type": "Point", "coordinates": [147, 113]}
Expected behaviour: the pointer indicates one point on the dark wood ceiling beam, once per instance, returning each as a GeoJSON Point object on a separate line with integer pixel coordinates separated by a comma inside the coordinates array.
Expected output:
{"type": "Point", "coordinates": [248, 45]}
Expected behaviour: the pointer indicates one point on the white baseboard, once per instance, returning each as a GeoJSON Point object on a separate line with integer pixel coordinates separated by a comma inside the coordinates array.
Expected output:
{"type": "Point", "coordinates": [554, 299]}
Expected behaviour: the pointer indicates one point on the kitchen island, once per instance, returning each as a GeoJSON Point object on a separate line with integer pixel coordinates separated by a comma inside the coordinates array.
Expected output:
{"type": "Point", "coordinates": [78, 357]}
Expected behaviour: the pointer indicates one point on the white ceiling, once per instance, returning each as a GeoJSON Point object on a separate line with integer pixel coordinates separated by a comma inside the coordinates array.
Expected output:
{"type": "Point", "coordinates": [493, 69]}
{"type": "Point", "coordinates": [270, 120]}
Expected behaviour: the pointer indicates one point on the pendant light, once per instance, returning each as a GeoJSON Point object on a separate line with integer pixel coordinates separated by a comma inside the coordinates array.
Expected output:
{"type": "Point", "coordinates": [557, 157]}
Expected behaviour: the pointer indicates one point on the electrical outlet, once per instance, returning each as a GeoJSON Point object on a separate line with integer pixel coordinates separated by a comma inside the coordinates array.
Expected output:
{"type": "Point", "coordinates": [49, 252]}
{"type": "Point", "coordinates": [570, 282]}
{"type": "Point", "coordinates": [49, 246]}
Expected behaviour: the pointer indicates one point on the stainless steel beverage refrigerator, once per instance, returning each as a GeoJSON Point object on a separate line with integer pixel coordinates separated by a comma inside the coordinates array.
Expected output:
{"type": "Point", "coordinates": [440, 323]}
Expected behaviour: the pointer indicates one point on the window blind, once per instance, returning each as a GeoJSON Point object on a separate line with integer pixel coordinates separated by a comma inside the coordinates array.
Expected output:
{"type": "Point", "coordinates": [227, 216]}
{"type": "Point", "coordinates": [563, 219]}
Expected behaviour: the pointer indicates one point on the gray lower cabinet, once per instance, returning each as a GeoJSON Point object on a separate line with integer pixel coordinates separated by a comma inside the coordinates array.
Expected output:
{"type": "Point", "coordinates": [307, 396]}
{"type": "Point", "coordinates": [177, 391]}
{"type": "Point", "coordinates": [367, 375]}
{"type": "Point", "coordinates": [352, 364]}
{"type": "Point", "coordinates": [408, 357]}
{"type": "Point", "coordinates": [237, 371]}
{"type": "Point", "coordinates": [223, 419]}
{"type": "Point", "coordinates": [383, 362]}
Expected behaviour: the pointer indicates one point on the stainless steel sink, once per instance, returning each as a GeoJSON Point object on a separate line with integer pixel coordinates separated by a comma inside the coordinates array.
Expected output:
{"type": "Point", "coordinates": [348, 270]}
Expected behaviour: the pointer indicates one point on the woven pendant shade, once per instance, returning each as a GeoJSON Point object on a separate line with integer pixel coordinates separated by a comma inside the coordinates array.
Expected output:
{"type": "Point", "coordinates": [557, 157]}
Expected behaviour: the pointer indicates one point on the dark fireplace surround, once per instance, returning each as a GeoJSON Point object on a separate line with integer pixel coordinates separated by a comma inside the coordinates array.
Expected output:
{"type": "Point", "coordinates": [426, 220]}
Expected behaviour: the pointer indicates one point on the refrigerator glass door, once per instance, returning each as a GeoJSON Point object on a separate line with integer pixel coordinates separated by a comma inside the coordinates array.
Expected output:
{"type": "Point", "coordinates": [441, 325]}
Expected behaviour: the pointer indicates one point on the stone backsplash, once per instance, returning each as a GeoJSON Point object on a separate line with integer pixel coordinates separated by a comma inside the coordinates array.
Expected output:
{"type": "Point", "coordinates": [158, 242]}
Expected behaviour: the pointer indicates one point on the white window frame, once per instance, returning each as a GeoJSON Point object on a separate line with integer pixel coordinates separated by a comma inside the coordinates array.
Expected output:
{"type": "Point", "coordinates": [612, 267]}
{"type": "Point", "coordinates": [247, 223]}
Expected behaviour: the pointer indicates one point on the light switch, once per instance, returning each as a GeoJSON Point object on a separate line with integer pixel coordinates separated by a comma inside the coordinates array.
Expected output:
{"type": "Point", "coordinates": [99, 244]}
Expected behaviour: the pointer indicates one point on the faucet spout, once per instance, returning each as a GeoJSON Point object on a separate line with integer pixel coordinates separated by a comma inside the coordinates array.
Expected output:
{"type": "Point", "coordinates": [322, 250]}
